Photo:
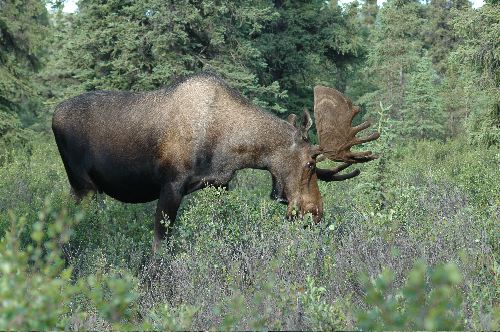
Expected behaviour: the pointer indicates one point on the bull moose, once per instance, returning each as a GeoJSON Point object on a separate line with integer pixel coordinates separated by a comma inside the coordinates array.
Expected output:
{"type": "Point", "coordinates": [141, 146]}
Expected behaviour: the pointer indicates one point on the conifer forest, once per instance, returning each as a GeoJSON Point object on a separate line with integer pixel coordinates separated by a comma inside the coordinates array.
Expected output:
{"type": "Point", "coordinates": [411, 243]}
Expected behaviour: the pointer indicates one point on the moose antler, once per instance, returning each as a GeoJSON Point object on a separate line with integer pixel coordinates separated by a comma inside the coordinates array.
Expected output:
{"type": "Point", "coordinates": [334, 114]}
{"type": "Point", "coordinates": [328, 175]}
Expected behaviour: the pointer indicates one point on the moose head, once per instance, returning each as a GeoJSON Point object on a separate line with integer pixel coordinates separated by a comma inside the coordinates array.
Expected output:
{"type": "Point", "coordinates": [296, 182]}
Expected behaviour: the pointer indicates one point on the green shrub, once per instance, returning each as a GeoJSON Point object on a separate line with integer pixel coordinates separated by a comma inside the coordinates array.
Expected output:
{"type": "Point", "coordinates": [37, 290]}
{"type": "Point", "coordinates": [12, 135]}
{"type": "Point", "coordinates": [430, 300]}
{"type": "Point", "coordinates": [163, 317]}
{"type": "Point", "coordinates": [35, 284]}
{"type": "Point", "coordinates": [321, 314]}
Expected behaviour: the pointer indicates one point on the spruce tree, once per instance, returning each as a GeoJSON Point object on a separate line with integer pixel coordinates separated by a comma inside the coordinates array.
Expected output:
{"type": "Point", "coordinates": [439, 37]}
{"type": "Point", "coordinates": [369, 11]}
{"type": "Point", "coordinates": [422, 115]}
{"type": "Point", "coordinates": [23, 25]}
{"type": "Point", "coordinates": [142, 45]}
{"type": "Point", "coordinates": [312, 42]}
{"type": "Point", "coordinates": [476, 62]}
{"type": "Point", "coordinates": [396, 48]}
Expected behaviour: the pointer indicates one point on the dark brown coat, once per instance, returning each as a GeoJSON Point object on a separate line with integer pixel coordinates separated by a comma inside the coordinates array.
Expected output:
{"type": "Point", "coordinates": [139, 147]}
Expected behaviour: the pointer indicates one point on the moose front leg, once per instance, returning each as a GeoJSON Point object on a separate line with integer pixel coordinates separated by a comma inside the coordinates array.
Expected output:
{"type": "Point", "coordinates": [166, 212]}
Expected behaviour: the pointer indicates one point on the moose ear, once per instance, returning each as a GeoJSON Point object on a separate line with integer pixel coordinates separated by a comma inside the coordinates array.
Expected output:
{"type": "Point", "coordinates": [306, 124]}
{"type": "Point", "coordinates": [291, 119]}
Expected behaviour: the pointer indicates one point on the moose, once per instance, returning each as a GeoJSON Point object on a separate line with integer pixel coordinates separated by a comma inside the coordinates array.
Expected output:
{"type": "Point", "coordinates": [141, 146]}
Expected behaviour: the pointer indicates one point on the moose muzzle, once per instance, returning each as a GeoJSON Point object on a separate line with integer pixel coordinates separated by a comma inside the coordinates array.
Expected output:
{"type": "Point", "coordinates": [298, 209]}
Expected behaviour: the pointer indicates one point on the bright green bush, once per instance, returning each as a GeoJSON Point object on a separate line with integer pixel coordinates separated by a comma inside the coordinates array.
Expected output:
{"type": "Point", "coordinates": [430, 300]}
{"type": "Point", "coordinates": [163, 317]}
{"type": "Point", "coordinates": [12, 135]}
{"type": "Point", "coordinates": [35, 284]}
{"type": "Point", "coordinates": [37, 287]}
{"type": "Point", "coordinates": [322, 315]}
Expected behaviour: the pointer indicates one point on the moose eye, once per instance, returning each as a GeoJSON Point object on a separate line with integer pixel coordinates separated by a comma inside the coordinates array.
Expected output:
{"type": "Point", "coordinates": [310, 165]}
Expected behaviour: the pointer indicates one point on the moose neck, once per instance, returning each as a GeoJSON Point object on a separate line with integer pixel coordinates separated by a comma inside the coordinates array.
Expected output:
{"type": "Point", "coordinates": [266, 145]}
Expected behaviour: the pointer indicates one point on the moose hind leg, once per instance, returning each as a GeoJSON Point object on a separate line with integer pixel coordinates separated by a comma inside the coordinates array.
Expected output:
{"type": "Point", "coordinates": [79, 180]}
{"type": "Point", "coordinates": [81, 184]}
{"type": "Point", "coordinates": [78, 195]}
{"type": "Point", "coordinates": [166, 212]}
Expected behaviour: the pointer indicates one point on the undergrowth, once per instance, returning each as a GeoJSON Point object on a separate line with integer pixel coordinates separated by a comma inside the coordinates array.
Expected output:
{"type": "Point", "coordinates": [416, 250]}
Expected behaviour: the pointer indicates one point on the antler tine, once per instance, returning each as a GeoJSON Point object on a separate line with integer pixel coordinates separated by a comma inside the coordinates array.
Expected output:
{"type": "Point", "coordinates": [366, 139]}
{"type": "Point", "coordinates": [361, 126]}
{"type": "Point", "coordinates": [331, 174]}
{"type": "Point", "coordinates": [355, 109]}
{"type": "Point", "coordinates": [340, 167]}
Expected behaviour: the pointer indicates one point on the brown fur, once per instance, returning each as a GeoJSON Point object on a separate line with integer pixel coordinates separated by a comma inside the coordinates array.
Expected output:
{"type": "Point", "coordinates": [164, 144]}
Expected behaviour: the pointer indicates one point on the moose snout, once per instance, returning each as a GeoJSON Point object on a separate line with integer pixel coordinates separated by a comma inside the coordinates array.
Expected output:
{"type": "Point", "coordinates": [315, 210]}
{"type": "Point", "coordinates": [300, 210]}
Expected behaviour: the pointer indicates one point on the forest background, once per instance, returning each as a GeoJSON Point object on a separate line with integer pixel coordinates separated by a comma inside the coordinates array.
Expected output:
{"type": "Point", "coordinates": [411, 243]}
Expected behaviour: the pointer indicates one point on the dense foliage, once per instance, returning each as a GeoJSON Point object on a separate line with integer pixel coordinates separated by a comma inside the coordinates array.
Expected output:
{"type": "Point", "coordinates": [411, 243]}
